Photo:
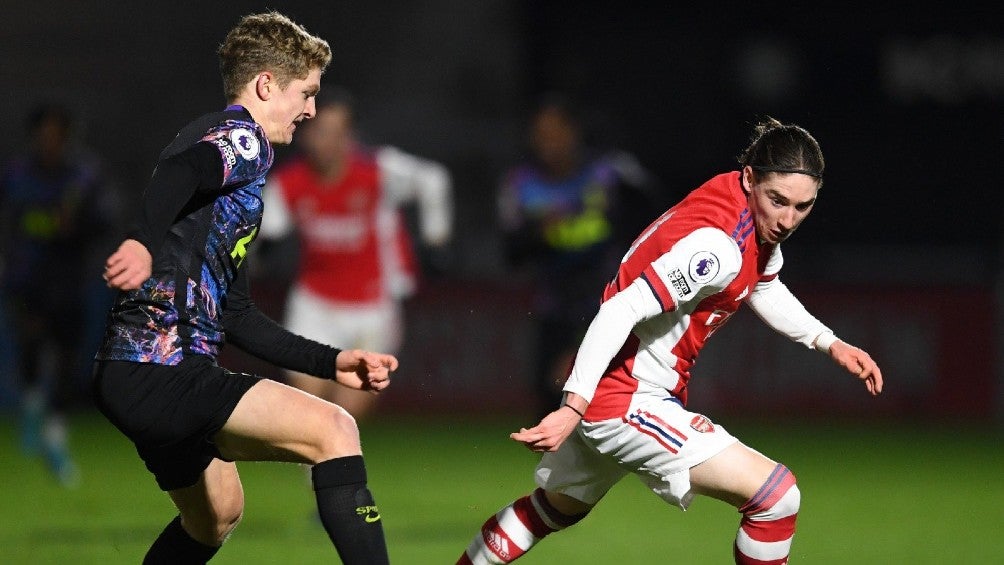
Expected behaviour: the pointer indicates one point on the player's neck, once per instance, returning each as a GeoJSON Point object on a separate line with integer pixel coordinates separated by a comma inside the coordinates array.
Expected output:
{"type": "Point", "coordinates": [330, 172]}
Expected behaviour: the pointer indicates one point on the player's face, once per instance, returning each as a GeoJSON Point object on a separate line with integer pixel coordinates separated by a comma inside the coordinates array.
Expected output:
{"type": "Point", "coordinates": [555, 140]}
{"type": "Point", "coordinates": [291, 105]}
{"type": "Point", "coordinates": [327, 140]}
{"type": "Point", "coordinates": [779, 202]}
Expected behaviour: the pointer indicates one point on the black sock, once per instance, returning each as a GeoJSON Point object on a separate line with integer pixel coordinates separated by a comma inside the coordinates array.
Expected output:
{"type": "Point", "coordinates": [348, 512]}
{"type": "Point", "coordinates": [175, 547]}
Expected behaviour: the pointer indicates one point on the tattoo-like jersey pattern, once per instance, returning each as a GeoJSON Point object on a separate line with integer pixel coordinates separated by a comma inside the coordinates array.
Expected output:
{"type": "Point", "coordinates": [200, 256]}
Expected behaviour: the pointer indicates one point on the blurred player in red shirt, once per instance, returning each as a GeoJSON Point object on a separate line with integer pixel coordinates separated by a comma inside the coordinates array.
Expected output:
{"type": "Point", "coordinates": [624, 410]}
{"type": "Point", "coordinates": [344, 202]}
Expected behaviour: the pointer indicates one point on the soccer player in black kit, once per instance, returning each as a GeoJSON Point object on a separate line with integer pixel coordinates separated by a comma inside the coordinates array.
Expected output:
{"type": "Point", "coordinates": [182, 276]}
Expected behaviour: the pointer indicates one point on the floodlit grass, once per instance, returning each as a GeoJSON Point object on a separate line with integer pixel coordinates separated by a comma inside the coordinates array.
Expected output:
{"type": "Point", "coordinates": [884, 493]}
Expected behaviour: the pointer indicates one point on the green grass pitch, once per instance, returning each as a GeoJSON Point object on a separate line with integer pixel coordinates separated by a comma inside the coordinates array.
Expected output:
{"type": "Point", "coordinates": [883, 493]}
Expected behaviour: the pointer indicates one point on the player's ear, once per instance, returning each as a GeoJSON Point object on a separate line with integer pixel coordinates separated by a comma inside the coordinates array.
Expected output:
{"type": "Point", "coordinates": [264, 84]}
{"type": "Point", "coordinates": [748, 179]}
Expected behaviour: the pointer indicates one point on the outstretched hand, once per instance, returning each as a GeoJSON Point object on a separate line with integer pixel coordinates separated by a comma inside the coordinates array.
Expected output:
{"type": "Point", "coordinates": [549, 434]}
{"type": "Point", "coordinates": [364, 370]}
{"type": "Point", "coordinates": [859, 363]}
{"type": "Point", "coordinates": [129, 266]}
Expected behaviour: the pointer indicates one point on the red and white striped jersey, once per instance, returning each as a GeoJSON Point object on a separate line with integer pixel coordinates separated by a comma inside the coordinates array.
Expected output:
{"type": "Point", "coordinates": [681, 279]}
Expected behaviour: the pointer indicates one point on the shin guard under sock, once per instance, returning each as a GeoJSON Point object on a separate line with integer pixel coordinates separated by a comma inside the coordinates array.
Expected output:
{"type": "Point", "coordinates": [348, 512]}
{"type": "Point", "coordinates": [768, 522]}
{"type": "Point", "coordinates": [515, 529]}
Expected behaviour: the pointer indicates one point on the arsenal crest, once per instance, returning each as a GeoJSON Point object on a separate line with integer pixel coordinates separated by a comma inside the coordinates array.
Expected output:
{"type": "Point", "coordinates": [702, 424]}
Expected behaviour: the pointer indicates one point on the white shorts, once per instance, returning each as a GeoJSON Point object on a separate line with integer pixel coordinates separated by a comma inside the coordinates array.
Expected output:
{"type": "Point", "coordinates": [374, 327]}
{"type": "Point", "coordinates": [657, 439]}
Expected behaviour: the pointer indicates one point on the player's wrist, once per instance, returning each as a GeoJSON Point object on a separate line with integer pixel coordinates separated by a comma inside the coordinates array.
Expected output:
{"type": "Point", "coordinates": [824, 341]}
{"type": "Point", "coordinates": [580, 413]}
{"type": "Point", "coordinates": [575, 402]}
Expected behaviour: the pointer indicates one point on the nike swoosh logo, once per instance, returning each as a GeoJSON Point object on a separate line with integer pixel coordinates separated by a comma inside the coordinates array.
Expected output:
{"type": "Point", "coordinates": [369, 513]}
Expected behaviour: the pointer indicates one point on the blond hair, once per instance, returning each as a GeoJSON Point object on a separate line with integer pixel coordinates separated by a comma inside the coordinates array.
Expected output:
{"type": "Point", "coordinates": [269, 42]}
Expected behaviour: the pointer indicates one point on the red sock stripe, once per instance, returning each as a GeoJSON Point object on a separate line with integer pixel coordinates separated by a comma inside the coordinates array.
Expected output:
{"type": "Point", "coordinates": [771, 530]}
{"type": "Point", "coordinates": [464, 560]}
{"type": "Point", "coordinates": [527, 514]}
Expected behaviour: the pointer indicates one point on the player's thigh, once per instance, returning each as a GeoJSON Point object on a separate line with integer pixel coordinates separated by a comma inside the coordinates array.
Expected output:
{"type": "Point", "coordinates": [733, 476]}
{"type": "Point", "coordinates": [659, 441]}
{"type": "Point", "coordinates": [276, 422]}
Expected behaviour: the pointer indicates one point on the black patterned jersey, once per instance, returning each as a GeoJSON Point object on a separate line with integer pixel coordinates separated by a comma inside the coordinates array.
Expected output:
{"type": "Point", "coordinates": [178, 311]}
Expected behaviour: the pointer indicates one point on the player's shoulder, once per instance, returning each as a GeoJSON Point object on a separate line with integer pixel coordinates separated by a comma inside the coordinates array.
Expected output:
{"type": "Point", "coordinates": [710, 236]}
{"type": "Point", "coordinates": [708, 257]}
{"type": "Point", "coordinates": [710, 243]}
{"type": "Point", "coordinates": [230, 128]}
{"type": "Point", "coordinates": [718, 202]}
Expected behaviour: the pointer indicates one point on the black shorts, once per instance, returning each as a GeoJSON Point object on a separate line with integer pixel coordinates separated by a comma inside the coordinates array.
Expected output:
{"type": "Point", "coordinates": [170, 412]}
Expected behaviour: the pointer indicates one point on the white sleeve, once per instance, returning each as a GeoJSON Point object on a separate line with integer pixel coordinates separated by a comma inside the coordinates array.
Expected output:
{"type": "Point", "coordinates": [276, 220]}
{"type": "Point", "coordinates": [778, 307]}
{"type": "Point", "coordinates": [606, 335]}
{"type": "Point", "coordinates": [698, 265]}
{"type": "Point", "coordinates": [405, 178]}
{"type": "Point", "coordinates": [774, 262]}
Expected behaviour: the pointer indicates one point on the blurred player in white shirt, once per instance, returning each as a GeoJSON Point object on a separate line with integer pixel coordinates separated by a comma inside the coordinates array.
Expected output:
{"type": "Point", "coordinates": [343, 200]}
{"type": "Point", "coordinates": [624, 409]}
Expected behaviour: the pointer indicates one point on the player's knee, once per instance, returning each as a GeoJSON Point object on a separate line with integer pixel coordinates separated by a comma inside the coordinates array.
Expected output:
{"type": "Point", "coordinates": [571, 509]}
{"type": "Point", "coordinates": [788, 504]}
{"type": "Point", "coordinates": [226, 523]}
{"type": "Point", "coordinates": [214, 527]}
{"type": "Point", "coordinates": [779, 497]}
{"type": "Point", "coordinates": [791, 499]}
{"type": "Point", "coordinates": [339, 438]}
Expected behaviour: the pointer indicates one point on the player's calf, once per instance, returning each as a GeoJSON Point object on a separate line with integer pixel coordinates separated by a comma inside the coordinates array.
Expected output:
{"type": "Point", "coordinates": [768, 522]}
{"type": "Point", "coordinates": [348, 512]}
{"type": "Point", "coordinates": [515, 529]}
{"type": "Point", "coordinates": [175, 546]}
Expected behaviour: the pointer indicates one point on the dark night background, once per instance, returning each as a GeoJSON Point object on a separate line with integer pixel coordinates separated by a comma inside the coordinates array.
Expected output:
{"type": "Point", "coordinates": [906, 104]}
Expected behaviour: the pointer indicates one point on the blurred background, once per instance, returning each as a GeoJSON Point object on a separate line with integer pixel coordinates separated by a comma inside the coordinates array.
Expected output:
{"type": "Point", "coordinates": [900, 256]}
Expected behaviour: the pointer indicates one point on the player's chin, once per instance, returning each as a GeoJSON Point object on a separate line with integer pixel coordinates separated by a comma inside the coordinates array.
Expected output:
{"type": "Point", "coordinates": [285, 137]}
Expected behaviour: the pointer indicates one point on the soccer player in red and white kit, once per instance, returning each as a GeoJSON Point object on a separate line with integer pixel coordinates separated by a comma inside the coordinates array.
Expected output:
{"type": "Point", "coordinates": [343, 200]}
{"type": "Point", "coordinates": [624, 409]}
